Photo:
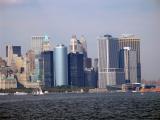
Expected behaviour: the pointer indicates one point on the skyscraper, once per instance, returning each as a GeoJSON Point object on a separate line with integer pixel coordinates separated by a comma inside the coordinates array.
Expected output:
{"type": "Point", "coordinates": [109, 71]}
{"type": "Point", "coordinates": [75, 45]}
{"type": "Point", "coordinates": [40, 43]}
{"type": "Point", "coordinates": [90, 77]}
{"type": "Point", "coordinates": [83, 46]}
{"type": "Point", "coordinates": [17, 50]}
{"type": "Point", "coordinates": [47, 68]}
{"type": "Point", "coordinates": [9, 54]}
{"type": "Point", "coordinates": [61, 65]}
{"type": "Point", "coordinates": [128, 62]}
{"type": "Point", "coordinates": [75, 69]}
{"type": "Point", "coordinates": [134, 43]}
{"type": "Point", "coordinates": [12, 51]}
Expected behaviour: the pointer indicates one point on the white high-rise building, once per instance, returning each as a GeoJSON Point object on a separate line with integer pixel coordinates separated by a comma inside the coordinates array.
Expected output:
{"type": "Point", "coordinates": [109, 72]}
{"type": "Point", "coordinates": [75, 45]}
{"type": "Point", "coordinates": [9, 54]}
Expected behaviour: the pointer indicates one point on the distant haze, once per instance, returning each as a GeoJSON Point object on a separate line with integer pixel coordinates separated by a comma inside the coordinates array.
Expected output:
{"type": "Point", "coordinates": [22, 19]}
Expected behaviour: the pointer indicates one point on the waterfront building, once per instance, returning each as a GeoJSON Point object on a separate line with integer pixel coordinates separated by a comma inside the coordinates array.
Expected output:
{"type": "Point", "coordinates": [134, 43]}
{"type": "Point", "coordinates": [128, 62]}
{"type": "Point", "coordinates": [90, 77]}
{"type": "Point", "coordinates": [108, 73]}
{"type": "Point", "coordinates": [7, 79]}
{"type": "Point", "coordinates": [75, 69]}
{"type": "Point", "coordinates": [61, 65]}
{"type": "Point", "coordinates": [47, 68]}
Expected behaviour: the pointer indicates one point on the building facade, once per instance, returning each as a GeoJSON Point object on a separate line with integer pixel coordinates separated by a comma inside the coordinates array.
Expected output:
{"type": "Point", "coordinates": [90, 78]}
{"type": "Point", "coordinates": [128, 62]}
{"type": "Point", "coordinates": [47, 68]}
{"type": "Point", "coordinates": [61, 65]}
{"type": "Point", "coordinates": [75, 69]}
{"type": "Point", "coordinates": [134, 43]}
{"type": "Point", "coordinates": [108, 59]}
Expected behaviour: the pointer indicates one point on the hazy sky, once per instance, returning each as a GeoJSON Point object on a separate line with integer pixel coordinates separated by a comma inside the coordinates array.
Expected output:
{"type": "Point", "coordinates": [21, 19]}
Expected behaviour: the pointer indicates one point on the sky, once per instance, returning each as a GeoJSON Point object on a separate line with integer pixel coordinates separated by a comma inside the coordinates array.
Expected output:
{"type": "Point", "coordinates": [60, 19]}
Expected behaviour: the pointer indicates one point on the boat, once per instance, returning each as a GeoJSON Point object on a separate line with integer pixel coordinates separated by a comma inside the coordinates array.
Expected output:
{"type": "Point", "coordinates": [4, 93]}
{"type": "Point", "coordinates": [38, 92]}
{"type": "Point", "coordinates": [20, 93]}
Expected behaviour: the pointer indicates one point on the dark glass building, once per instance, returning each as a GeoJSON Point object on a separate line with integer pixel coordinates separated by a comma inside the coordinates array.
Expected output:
{"type": "Point", "coordinates": [16, 50]}
{"type": "Point", "coordinates": [47, 68]}
{"type": "Point", "coordinates": [90, 78]}
{"type": "Point", "coordinates": [75, 69]}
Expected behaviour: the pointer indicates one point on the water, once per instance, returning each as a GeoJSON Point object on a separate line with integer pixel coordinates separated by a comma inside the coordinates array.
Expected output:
{"type": "Point", "coordinates": [110, 106]}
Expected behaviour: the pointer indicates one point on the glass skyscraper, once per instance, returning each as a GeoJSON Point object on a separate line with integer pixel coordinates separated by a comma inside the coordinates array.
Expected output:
{"type": "Point", "coordinates": [61, 65]}
{"type": "Point", "coordinates": [47, 68]}
{"type": "Point", "coordinates": [75, 69]}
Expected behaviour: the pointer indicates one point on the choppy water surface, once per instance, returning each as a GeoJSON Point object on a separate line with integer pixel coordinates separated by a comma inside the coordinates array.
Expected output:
{"type": "Point", "coordinates": [116, 106]}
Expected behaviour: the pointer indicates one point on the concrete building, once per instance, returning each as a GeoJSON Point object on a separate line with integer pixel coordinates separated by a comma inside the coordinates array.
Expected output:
{"type": "Point", "coordinates": [40, 43]}
{"type": "Point", "coordinates": [134, 43]}
{"type": "Point", "coordinates": [75, 45]}
{"type": "Point", "coordinates": [61, 65]}
{"type": "Point", "coordinates": [7, 78]}
{"type": "Point", "coordinates": [9, 54]}
{"type": "Point", "coordinates": [128, 62]}
{"type": "Point", "coordinates": [108, 59]}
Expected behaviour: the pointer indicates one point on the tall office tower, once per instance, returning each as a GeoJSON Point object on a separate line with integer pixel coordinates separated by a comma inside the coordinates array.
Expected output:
{"type": "Point", "coordinates": [108, 61]}
{"type": "Point", "coordinates": [46, 44]}
{"type": "Point", "coordinates": [30, 62]}
{"type": "Point", "coordinates": [133, 42]}
{"type": "Point", "coordinates": [61, 65]}
{"type": "Point", "coordinates": [128, 62]}
{"type": "Point", "coordinates": [75, 69]}
{"type": "Point", "coordinates": [17, 50]}
{"type": "Point", "coordinates": [9, 54]}
{"type": "Point", "coordinates": [47, 68]}
{"type": "Point", "coordinates": [90, 77]}
{"type": "Point", "coordinates": [83, 46]}
{"type": "Point", "coordinates": [75, 45]}
{"type": "Point", "coordinates": [40, 43]}
{"type": "Point", "coordinates": [95, 64]}
{"type": "Point", "coordinates": [14, 49]}
{"type": "Point", "coordinates": [88, 63]}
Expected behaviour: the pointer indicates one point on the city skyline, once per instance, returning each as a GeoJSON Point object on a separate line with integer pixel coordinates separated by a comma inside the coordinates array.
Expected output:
{"type": "Point", "coordinates": [61, 19]}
